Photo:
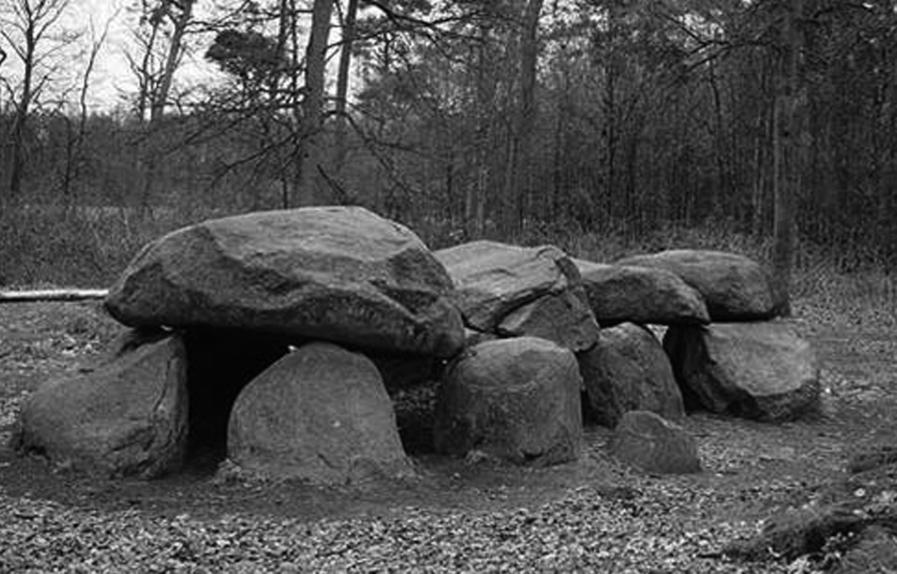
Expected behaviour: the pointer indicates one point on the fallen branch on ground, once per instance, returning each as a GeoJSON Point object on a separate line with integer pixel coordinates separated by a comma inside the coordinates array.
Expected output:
{"type": "Point", "coordinates": [52, 295]}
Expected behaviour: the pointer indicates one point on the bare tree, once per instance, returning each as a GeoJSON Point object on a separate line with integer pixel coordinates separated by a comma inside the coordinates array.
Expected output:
{"type": "Point", "coordinates": [180, 14]}
{"type": "Point", "coordinates": [77, 134]}
{"type": "Point", "coordinates": [161, 41]}
{"type": "Point", "coordinates": [25, 25]}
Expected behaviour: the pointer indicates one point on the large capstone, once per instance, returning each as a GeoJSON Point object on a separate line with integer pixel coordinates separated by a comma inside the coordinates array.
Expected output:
{"type": "Point", "coordinates": [734, 287]}
{"type": "Point", "coordinates": [628, 370]}
{"type": "Point", "coordinates": [761, 370]}
{"type": "Point", "coordinates": [515, 291]}
{"type": "Point", "coordinates": [319, 414]}
{"type": "Point", "coordinates": [341, 274]}
{"type": "Point", "coordinates": [514, 399]}
{"type": "Point", "coordinates": [125, 416]}
{"type": "Point", "coordinates": [621, 293]}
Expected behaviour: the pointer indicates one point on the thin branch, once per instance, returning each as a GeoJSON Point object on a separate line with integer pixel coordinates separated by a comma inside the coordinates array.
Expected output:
{"type": "Point", "coordinates": [387, 165]}
{"type": "Point", "coordinates": [228, 167]}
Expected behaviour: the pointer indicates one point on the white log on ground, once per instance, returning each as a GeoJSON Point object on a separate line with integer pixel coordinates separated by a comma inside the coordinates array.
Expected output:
{"type": "Point", "coordinates": [52, 295]}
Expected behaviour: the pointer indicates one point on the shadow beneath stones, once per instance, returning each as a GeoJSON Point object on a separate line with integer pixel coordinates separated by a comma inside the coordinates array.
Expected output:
{"type": "Point", "coordinates": [415, 410]}
{"type": "Point", "coordinates": [219, 364]}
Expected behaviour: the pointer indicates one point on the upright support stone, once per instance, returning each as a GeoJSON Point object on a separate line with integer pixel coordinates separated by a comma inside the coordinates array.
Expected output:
{"type": "Point", "coordinates": [126, 416]}
{"type": "Point", "coordinates": [515, 399]}
{"type": "Point", "coordinates": [759, 370]}
{"type": "Point", "coordinates": [320, 414]}
{"type": "Point", "coordinates": [628, 370]}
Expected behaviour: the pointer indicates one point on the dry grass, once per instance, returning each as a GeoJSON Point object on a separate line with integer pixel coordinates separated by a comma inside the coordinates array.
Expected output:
{"type": "Point", "coordinates": [83, 247]}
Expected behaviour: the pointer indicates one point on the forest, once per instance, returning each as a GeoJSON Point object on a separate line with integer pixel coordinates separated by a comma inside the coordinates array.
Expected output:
{"type": "Point", "coordinates": [565, 121]}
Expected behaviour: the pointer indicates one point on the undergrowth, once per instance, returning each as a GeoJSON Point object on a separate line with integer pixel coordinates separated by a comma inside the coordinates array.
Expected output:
{"type": "Point", "coordinates": [81, 246]}
{"type": "Point", "coordinates": [87, 246]}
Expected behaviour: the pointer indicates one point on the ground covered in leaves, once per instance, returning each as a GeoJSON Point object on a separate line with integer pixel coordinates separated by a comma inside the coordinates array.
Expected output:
{"type": "Point", "coordinates": [456, 515]}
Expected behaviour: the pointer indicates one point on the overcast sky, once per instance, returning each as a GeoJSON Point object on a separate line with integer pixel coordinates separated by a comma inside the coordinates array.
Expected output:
{"type": "Point", "coordinates": [111, 79]}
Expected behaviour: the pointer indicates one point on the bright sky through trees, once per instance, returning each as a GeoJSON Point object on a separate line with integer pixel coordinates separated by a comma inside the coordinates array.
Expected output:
{"type": "Point", "coordinates": [82, 24]}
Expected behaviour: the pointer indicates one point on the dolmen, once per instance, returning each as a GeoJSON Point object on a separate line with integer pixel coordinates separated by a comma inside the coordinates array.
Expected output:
{"type": "Point", "coordinates": [252, 331]}
{"type": "Point", "coordinates": [276, 341]}
{"type": "Point", "coordinates": [272, 340]}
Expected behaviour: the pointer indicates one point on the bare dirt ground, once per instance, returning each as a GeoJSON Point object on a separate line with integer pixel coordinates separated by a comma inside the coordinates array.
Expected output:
{"type": "Point", "coordinates": [455, 516]}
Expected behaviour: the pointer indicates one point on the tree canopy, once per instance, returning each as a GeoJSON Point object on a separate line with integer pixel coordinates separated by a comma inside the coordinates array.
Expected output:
{"type": "Point", "coordinates": [493, 118]}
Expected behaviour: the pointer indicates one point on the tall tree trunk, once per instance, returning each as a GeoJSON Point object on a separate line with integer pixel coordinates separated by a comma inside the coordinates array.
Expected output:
{"type": "Point", "coordinates": [17, 161]}
{"type": "Point", "coordinates": [523, 124]}
{"type": "Point", "coordinates": [610, 134]}
{"type": "Point", "coordinates": [787, 156]}
{"type": "Point", "coordinates": [173, 58]}
{"type": "Point", "coordinates": [155, 87]}
{"type": "Point", "coordinates": [284, 22]}
{"type": "Point", "coordinates": [311, 190]}
{"type": "Point", "coordinates": [342, 83]}
{"type": "Point", "coordinates": [716, 207]}
{"type": "Point", "coordinates": [289, 20]}
{"type": "Point", "coordinates": [145, 78]}
{"type": "Point", "coordinates": [552, 209]}
{"type": "Point", "coordinates": [475, 200]}
{"type": "Point", "coordinates": [758, 167]}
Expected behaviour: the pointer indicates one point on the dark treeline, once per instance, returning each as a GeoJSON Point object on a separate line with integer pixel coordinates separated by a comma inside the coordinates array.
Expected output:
{"type": "Point", "coordinates": [496, 118]}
